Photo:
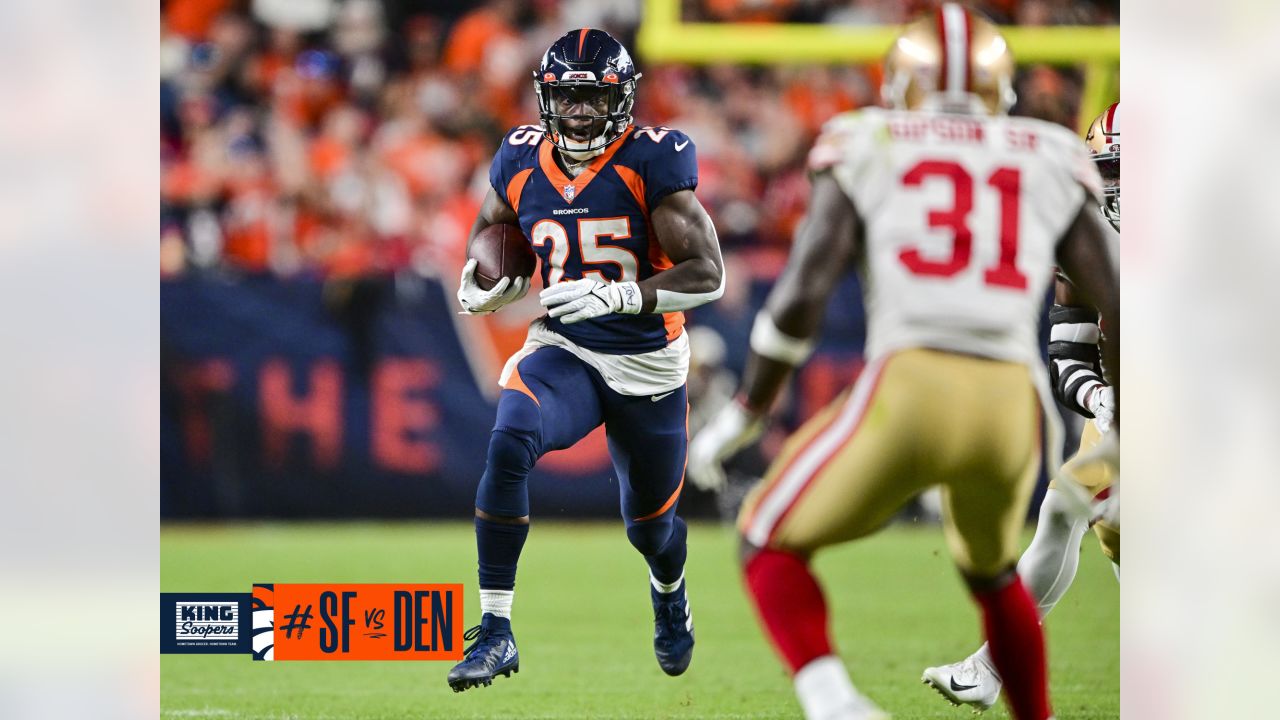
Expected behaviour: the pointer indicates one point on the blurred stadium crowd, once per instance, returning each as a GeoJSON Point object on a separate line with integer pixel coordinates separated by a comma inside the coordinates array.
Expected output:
{"type": "Point", "coordinates": [348, 138]}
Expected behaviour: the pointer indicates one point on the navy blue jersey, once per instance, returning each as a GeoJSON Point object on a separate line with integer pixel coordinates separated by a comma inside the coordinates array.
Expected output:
{"type": "Point", "coordinates": [597, 224]}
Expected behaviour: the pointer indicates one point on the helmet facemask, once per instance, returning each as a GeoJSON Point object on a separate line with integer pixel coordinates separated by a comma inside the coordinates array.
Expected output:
{"type": "Point", "coordinates": [1109, 168]}
{"type": "Point", "coordinates": [581, 118]}
{"type": "Point", "coordinates": [1103, 141]}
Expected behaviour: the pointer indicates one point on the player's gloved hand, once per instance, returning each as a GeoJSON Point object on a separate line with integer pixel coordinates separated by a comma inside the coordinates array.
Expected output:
{"type": "Point", "coordinates": [579, 300]}
{"type": "Point", "coordinates": [732, 429]}
{"type": "Point", "coordinates": [1102, 403]}
{"type": "Point", "coordinates": [1107, 511]}
{"type": "Point", "coordinates": [475, 301]}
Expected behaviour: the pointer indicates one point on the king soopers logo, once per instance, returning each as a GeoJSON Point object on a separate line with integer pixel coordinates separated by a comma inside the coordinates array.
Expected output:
{"type": "Point", "coordinates": [207, 621]}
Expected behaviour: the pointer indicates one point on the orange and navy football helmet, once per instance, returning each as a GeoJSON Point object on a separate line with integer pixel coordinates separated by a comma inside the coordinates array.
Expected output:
{"type": "Point", "coordinates": [950, 59]}
{"type": "Point", "coordinates": [1103, 140]}
{"type": "Point", "coordinates": [586, 85]}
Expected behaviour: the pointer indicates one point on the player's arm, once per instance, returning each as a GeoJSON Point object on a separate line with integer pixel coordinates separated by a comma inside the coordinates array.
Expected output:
{"type": "Point", "coordinates": [1089, 263]}
{"type": "Point", "coordinates": [784, 332]}
{"type": "Point", "coordinates": [1074, 370]}
{"type": "Point", "coordinates": [785, 329]}
{"type": "Point", "coordinates": [687, 236]}
{"type": "Point", "coordinates": [475, 301]}
{"type": "Point", "coordinates": [493, 211]}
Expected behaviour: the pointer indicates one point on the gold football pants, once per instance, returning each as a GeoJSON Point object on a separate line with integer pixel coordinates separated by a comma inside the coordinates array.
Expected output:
{"type": "Point", "coordinates": [914, 419]}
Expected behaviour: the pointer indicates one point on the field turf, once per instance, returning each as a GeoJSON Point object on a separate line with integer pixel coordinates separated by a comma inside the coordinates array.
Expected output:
{"type": "Point", "coordinates": [584, 627]}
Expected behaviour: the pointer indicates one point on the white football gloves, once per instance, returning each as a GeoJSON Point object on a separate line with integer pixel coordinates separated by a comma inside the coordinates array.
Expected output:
{"type": "Point", "coordinates": [732, 429]}
{"type": "Point", "coordinates": [1102, 403]}
{"type": "Point", "coordinates": [578, 300]}
{"type": "Point", "coordinates": [475, 301]}
{"type": "Point", "coordinates": [1107, 511]}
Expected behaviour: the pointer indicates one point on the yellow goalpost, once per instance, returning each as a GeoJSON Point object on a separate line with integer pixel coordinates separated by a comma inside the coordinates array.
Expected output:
{"type": "Point", "coordinates": [665, 38]}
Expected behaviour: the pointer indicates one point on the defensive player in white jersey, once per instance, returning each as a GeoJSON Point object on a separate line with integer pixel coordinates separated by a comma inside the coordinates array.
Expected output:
{"type": "Point", "coordinates": [1049, 565]}
{"type": "Point", "coordinates": [953, 214]}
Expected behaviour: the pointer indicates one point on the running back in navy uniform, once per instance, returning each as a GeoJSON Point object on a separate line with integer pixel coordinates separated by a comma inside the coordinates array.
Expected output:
{"type": "Point", "coordinates": [598, 222]}
{"type": "Point", "coordinates": [553, 399]}
{"type": "Point", "coordinates": [624, 248]}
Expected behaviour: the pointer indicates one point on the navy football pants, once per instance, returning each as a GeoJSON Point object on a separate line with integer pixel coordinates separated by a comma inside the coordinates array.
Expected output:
{"type": "Point", "coordinates": [566, 400]}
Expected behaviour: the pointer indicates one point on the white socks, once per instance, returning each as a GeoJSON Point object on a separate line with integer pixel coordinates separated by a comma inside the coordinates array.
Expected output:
{"type": "Point", "coordinates": [1050, 563]}
{"type": "Point", "coordinates": [666, 587]}
{"type": "Point", "coordinates": [497, 602]}
{"type": "Point", "coordinates": [826, 693]}
{"type": "Point", "coordinates": [983, 656]}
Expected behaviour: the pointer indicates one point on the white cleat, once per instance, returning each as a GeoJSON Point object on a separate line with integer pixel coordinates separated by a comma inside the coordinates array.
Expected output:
{"type": "Point", "coordinates": [968, 682]}
{"type": "Point", "coordinates": [825, 693]}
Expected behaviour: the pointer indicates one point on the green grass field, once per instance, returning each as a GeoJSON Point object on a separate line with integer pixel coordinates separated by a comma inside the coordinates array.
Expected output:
{"type": "Point", "coordinates": [584, 626]}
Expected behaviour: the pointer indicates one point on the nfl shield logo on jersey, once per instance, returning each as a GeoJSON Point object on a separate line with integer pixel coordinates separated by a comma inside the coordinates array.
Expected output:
{"type": "Point", "coordinates": [569, 192]}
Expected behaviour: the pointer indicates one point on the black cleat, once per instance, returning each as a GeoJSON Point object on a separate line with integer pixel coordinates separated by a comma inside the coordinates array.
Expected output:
{"type": "Point", "coordinates": [672, 630]}
{"type": "Point", "coordinates": [492, 653]}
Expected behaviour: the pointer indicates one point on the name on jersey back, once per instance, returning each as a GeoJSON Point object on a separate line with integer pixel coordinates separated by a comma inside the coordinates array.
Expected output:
{"type": "Point", "coordinates": [957, 130]}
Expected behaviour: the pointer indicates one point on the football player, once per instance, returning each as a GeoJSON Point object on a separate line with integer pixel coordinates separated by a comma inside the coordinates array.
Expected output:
{"type": "Point", "coordinates": [954, 215]}
{"type": "Point", "coordinates": [625, 247]}
{"type": "Point", "coordinates": [1050, 562]}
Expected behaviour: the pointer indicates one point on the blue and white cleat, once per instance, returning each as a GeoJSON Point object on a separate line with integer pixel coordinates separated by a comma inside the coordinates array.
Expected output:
{"type": "Point", "coordinates": [672, 629]}
{"type": "Point", "coordinates": [492, 653]}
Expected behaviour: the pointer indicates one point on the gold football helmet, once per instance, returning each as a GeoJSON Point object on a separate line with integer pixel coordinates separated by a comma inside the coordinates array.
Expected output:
{"type": "Point", "coordinates": [1103, 140]}
{"type": "Point", "coordinates": [951, 59]}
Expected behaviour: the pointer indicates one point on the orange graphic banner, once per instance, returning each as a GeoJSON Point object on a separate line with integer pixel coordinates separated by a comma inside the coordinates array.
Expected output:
{"type": "Point", "coordinates": [366, 622]}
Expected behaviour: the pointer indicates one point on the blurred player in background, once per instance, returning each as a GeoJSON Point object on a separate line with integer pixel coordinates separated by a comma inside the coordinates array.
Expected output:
{"type": "Point", "coordinates": [625, 246]}
{"type": "Point", "coordinates": [1050, 562]}
{"type": "Point", "coordinates": [954, 215]}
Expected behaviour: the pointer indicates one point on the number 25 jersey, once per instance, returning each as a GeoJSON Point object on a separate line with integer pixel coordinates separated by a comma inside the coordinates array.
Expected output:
{"type": "Point", "coordinates": [961, 219]}
{"type": "Point", "coordinates": [597, 224]}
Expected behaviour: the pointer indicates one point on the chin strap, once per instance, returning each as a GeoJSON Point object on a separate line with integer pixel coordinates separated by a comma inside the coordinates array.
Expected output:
{"type": "Point", "coordinates": [584, 154]}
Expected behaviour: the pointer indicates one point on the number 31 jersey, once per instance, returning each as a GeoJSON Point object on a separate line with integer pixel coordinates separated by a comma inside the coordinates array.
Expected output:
{"type": "Point", "coordinates": [961, 216]}
{"type": "Point", "coordinates": [597, 224]}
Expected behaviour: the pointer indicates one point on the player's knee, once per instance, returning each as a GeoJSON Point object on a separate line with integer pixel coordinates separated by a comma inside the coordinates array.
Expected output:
{"type": "Point", "coordinates": [511, 452]}
{"type": "Point", "coordinates": [986, 561]}
{"type": "Point", "coordinates": [989, 579]}
{"type": "Point", "coordinates": [516, 440]}
{"type": "Point", "coordinates": [514, 447]}
{"type": "Point", "coordinates": [649, 538]}
{"type": "Point", "coordinates": [503, 489]}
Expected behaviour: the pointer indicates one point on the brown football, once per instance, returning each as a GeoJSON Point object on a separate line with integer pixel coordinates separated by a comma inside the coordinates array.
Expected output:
{"type": "Point", "coordinates": [502, 251]}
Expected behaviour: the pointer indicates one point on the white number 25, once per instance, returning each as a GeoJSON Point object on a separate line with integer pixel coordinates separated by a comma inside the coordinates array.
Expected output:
{"type": "Point", "coordinates": [591, 252]}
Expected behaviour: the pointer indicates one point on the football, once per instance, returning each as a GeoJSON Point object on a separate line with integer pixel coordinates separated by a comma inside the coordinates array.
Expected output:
{"type": "Point", "coordinates": [502, 251]}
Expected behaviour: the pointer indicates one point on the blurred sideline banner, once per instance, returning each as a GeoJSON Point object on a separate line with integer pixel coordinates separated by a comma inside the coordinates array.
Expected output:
{"type": "Point", "coordinates": [278, 400]}
{"type": "Point", "coordinates": [293, 399]}
{"type": "Point", "coordinates": [274, 405]}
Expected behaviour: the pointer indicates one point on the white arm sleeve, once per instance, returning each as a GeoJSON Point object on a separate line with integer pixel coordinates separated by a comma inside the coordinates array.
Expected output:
{"type": "Point", "coordinates": [769, 341]}
{"type": "Point", "coordinates": [672, 301]}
